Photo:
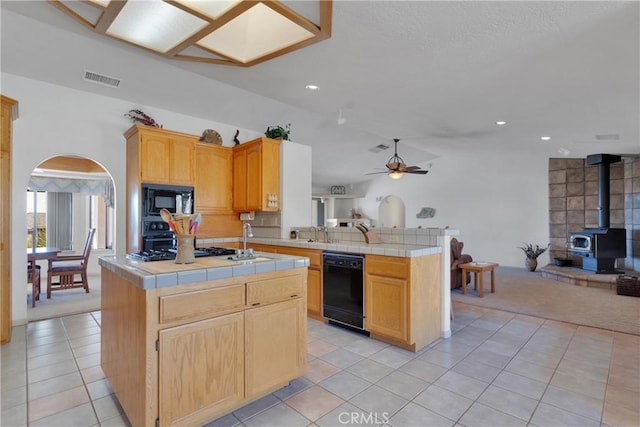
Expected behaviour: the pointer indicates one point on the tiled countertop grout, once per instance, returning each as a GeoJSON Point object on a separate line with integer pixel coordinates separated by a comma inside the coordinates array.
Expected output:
{"type": "Point", "coordinates": [389, 249]}
{"type": "Point", "coordinates": [126, 268]}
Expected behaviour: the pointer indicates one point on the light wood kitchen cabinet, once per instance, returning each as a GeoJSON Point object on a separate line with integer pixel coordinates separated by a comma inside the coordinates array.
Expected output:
{"type": "Point", "coordinates": [386, 306]}
{"type": "Point", "coordinates": [314, 273]}
{"type": "Point", "coordinates": [268, 291]}
{"type": "Point", "coordinates": [164, 157]}
{"type": "Point", "coordinates": [9, 113]}
{"type": "Point", "coordinates": [276, 345]}
{"type": "Point", "coordinates": [256, 175]}
{"type": "Point", "coordinates": [155, 156]}
{"type": "Point", "coordinates": [402, 299]}
{"type": "Point", "coordinates": [314, 292]}
{"type": "Point", "coordinates": [214, 179]}
{"type": "Point", "coordinates": [201, 369]}
{"type": "Point", "coordinates": [184, 355]}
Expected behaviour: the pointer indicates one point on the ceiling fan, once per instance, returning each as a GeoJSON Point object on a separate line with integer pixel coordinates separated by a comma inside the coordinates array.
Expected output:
{"type": "Point", "coordinates": [396, 167]}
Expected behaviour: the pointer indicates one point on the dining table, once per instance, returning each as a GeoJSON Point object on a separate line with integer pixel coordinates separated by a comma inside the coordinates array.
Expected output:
{"type": "Point", "coordinates": [47, 252]}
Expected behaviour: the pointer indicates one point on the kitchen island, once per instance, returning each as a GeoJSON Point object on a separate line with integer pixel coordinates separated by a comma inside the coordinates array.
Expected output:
{"type": "Point", "coordinates": [183, 344]}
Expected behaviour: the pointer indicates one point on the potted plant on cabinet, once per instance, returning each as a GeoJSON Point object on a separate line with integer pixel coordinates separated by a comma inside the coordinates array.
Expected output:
{"type": "Point", "coordinates": [533, 252]}
{"type": "Point", "coordinates": [278, 132]}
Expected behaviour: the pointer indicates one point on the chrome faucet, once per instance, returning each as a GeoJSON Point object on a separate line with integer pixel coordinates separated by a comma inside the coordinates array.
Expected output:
{"type": "Point", "coordinates": [315, 233]}
{"type": "Point", "coordinates": [246, 232]}
{"type": "Point", "coordinates": [324, 232]}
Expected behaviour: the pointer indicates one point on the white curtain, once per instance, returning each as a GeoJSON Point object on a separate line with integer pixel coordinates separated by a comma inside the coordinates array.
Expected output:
{"type": "Point", "coordinates": [59, 220]}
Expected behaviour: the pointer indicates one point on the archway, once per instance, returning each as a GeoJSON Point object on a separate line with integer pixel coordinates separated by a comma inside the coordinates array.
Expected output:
{"type": "Point", "coordinates": [391, 212]}
{"type": "Point", "coordinates": [66, 196]}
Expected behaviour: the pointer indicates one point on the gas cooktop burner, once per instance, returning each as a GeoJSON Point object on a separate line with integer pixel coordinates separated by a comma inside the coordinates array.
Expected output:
{"type": "Point", "coordinates": [151, 255]}
{"type": "Point", "coordinates": [170, 254]}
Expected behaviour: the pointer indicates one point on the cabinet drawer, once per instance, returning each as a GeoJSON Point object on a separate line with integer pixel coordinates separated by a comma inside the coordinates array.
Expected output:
{"type": "Point", "coordinates": [202, 303]}
{"type": "Point", "coordinates": [315, 256]}
{"type": "Point", "coordinates": [273, 290]}
{"type": "Point", "coordinates": [387, 266]}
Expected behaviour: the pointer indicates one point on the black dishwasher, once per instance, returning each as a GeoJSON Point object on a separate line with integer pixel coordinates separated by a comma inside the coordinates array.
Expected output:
{"type": "Point", "coordinates": [342, 288]}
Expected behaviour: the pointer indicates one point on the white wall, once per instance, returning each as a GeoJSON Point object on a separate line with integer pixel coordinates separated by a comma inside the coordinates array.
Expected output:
{"type": "Point", "coordinates": [497, 201]}
{"type": "Point", "coordinates": [295, 186]}
{"type": "Point", "coordinates": [54, 120]}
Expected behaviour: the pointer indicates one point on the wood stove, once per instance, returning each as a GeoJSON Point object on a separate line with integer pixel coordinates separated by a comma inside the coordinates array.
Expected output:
{"type": "Point", "coordinates": [601, 246]}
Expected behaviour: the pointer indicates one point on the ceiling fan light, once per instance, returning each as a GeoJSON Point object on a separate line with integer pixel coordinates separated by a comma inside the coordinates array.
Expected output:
{"type": "Point", "coordinates": [396, 175]}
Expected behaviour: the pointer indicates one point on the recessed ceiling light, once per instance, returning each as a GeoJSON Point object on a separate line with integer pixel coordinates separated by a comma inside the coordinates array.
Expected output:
{"type": "Point", "coordinates": [312, 87]}
{"type": "Point", "coordinates": [501, 123]}
{"type": "Point", "coordinates": [545, 138]}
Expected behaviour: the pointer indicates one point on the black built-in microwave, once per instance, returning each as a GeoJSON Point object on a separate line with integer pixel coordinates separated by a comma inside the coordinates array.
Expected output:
{"type": "Point", "coordinates": [174, 198]}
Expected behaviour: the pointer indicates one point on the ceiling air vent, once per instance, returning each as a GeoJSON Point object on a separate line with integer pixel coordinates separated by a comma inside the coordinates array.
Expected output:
{"type": "Point", "coordinates": [378, 148]}
{"type": "Point", "coordinates": [608, 137]}
{"type": "Point", "coordinates": [100, 79]}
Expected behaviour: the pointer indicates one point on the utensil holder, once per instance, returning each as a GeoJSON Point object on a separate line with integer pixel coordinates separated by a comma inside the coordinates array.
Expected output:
{"type": "Point", "coordinates": [185, 253]}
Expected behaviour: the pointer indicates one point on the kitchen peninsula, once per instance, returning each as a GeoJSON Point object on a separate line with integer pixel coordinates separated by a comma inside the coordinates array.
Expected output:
{"type": "Point", "coordinates": [183, 344]}
{"type": "Point", "coordinates": [402, 286]}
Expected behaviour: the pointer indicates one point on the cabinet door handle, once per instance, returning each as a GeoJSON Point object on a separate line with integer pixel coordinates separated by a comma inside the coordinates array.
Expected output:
{"type": "Point", "coordinates": [293, 296]}
{"type": "Point", "coordinates": [255, 303]}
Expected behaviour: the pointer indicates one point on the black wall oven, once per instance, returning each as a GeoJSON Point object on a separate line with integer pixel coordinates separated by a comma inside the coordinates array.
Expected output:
{"type": "Point", "coordinates": [343, 289]}
{"type": "Point", "coordinates": [155, 233]}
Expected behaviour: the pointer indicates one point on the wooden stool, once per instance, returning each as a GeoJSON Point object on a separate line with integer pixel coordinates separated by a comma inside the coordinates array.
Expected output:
{"type": "Point", "coordinates": [478, 269]}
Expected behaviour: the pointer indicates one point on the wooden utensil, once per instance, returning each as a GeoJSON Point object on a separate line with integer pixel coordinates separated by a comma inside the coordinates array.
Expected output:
{"type": "Point", "coordinates": [194, 223]}
{"type": "Point", "coordinates": [168, 218]}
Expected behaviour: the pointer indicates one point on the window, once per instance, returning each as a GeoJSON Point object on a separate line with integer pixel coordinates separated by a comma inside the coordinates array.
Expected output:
{"type": "Point", "coordinates": [37, 217]}
{"type": "Point", "coordinates": [86, 212]}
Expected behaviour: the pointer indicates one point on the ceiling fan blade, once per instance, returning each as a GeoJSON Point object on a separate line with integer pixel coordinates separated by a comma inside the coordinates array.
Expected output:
{"type": "Point", "coordinates": [376, 173]}
{"type": "Point", "coordinates": [420, 172]}
{"type": "Point", "coordinates": [412, 168]}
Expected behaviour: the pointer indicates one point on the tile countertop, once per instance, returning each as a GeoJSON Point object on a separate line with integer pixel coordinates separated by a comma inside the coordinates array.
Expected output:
{"type": "Point", "coordinates": [182, 274]}
{"type": "Point", "coordinates": [389, 249]}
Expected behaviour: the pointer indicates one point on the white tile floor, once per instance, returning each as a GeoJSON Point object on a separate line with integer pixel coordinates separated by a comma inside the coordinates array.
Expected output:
{"type": "Point", "coordinates": [498, 369]}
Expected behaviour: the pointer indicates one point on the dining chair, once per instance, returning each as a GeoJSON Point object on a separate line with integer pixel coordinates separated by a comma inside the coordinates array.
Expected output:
{"type": "Point", "coordinates": [33, 269]}
{"type": "Point", "coordinates": [66, 268]}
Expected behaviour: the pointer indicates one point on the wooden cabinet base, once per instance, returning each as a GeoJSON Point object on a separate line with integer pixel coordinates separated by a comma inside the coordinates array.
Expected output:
{"type": "Point", "coordinates": [211, 349]}
{"type": "Point", "coordinates": [314, 277]}
{"type": "Point", "coordinates": [170, 362]}
{"type": "Point", "coordinates": [402, 299]}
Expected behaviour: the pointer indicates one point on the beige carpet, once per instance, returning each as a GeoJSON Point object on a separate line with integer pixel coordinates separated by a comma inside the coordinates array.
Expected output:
{"type": "Point", "coordinates": [66, 302]}
{"type": "Point", "coordinates": [520, 291]}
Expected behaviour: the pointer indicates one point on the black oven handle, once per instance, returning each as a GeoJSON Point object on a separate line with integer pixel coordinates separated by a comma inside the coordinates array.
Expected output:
{"type": "Point", "coordinates": [157, 238]}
